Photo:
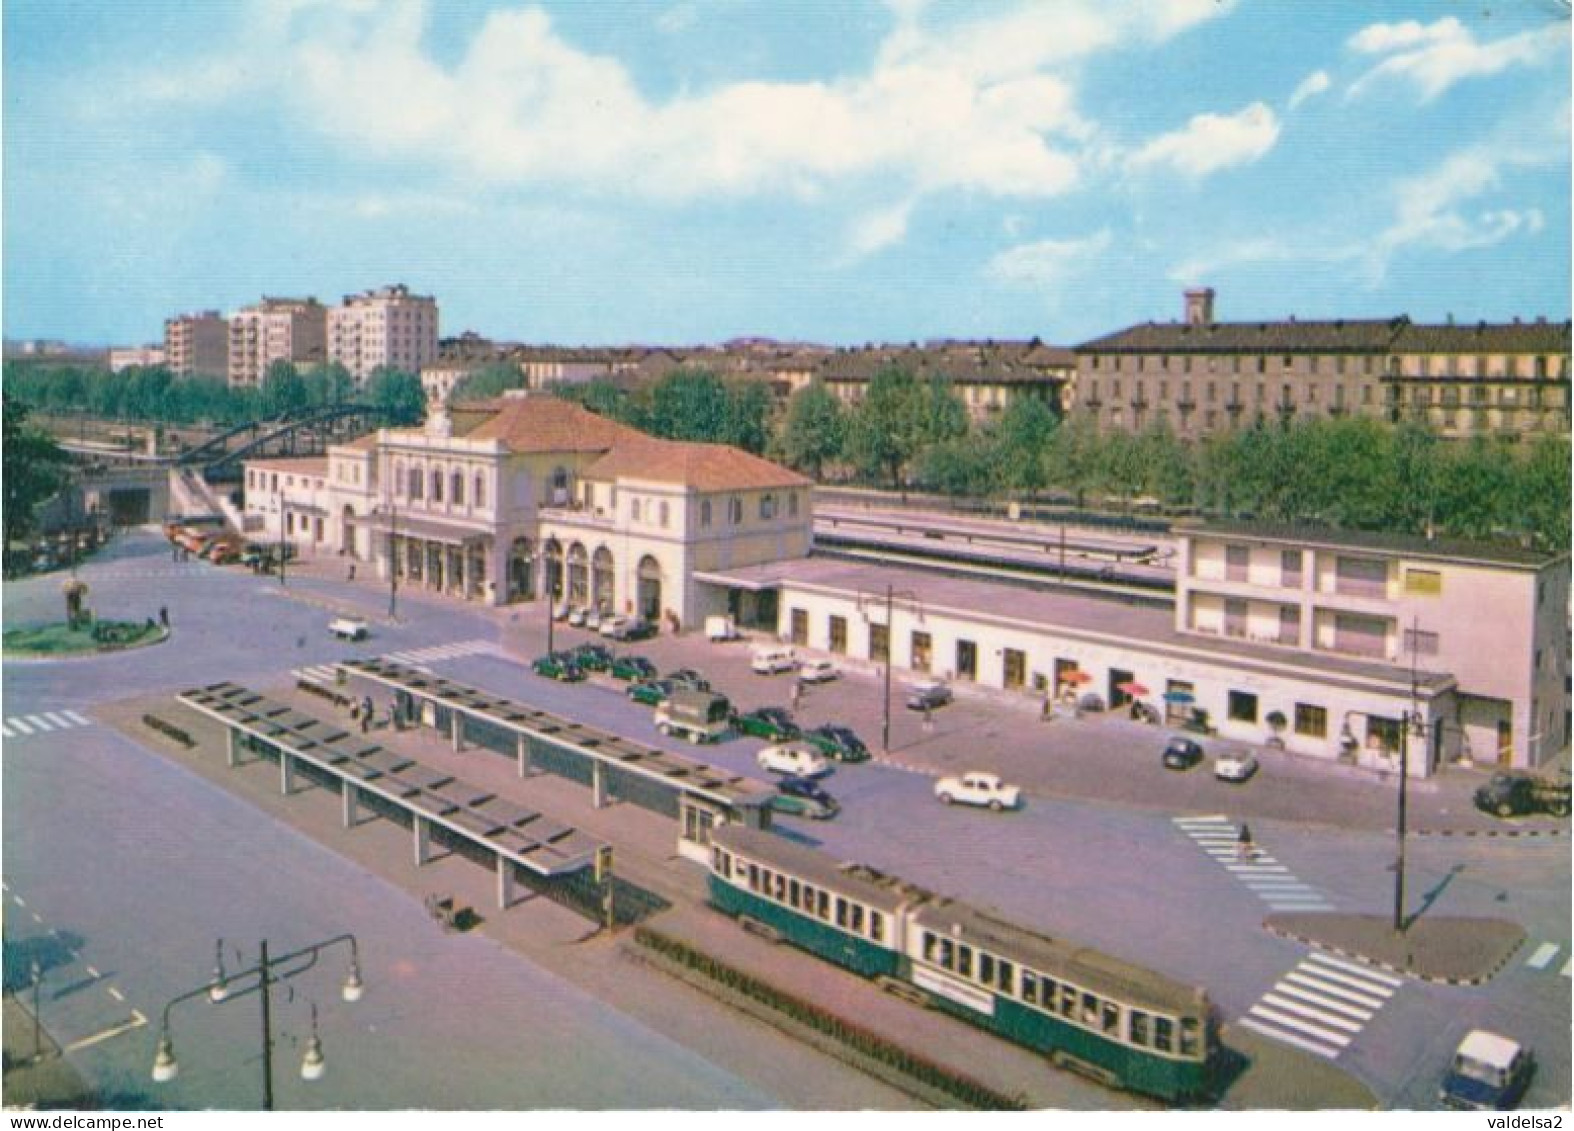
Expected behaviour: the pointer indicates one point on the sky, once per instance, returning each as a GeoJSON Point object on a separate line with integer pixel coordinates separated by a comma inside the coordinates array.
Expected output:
{"type": "Point", "coordinates": [689, 171]}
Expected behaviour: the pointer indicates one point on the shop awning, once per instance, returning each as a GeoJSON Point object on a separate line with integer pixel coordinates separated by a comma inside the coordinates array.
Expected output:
{"type": "Point", "coordinates": [1131, 687]}
{"type": "Point", "coordinates": [1180, 698]}
{"type": "Point", "coordinates": [1075, 677]}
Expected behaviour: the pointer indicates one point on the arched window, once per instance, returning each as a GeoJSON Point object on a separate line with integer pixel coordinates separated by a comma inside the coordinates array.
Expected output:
{"type": "Point", "coordinates": [634, 509]}
{"type": "Point", "coordinates": [437, 485]}
{"type": "Point", "coordinates": [480, 490]}
{"type": "Point", "coordinates": [767, 507]}
{"type": "Point", "coordinates": [792, 504]}
{"type": "Point", "coordinates": [456, 488]}
{"type": "Point", "coordinates": [704, 512]}
{"type": "Point", "coordinates": [734, 510]}
{"type": "Point", "coordinates": [417, 480]}
{"type": "Point", "coordinates": [559, 486]}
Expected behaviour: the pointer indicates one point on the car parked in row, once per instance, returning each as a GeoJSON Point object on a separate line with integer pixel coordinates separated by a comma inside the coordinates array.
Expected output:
{"type": "Point", "coordinates": [651, 692]}
{"type": "Point", "coordinates": [978, 788]}
{"type": "Point", "coordinates": [797, 758]}
{"type": "Point", "coordinates": [801, 797]}
{"type": "Point", "coordinates": [837, 742]}
{"type": "Point", "coordinates": [559, 666]}
{"type": "Point", "coordinates": [593, 657]}
{"type": "Point", "coordinates": [626, 628]}
{"type": "Point", "coordinates": [688, 677]}
{"type": "Point", "coordinates": [634, 668]}
{"type": "Point", "coordinates": [770, 661]}
{"type": "Point", "coordinates": [928, 694]}
{"type": "Point", "coordinates": [772, 723]}
{"type": "Point", "coordinates": [817, 671]}
{"type": "Point", "coordinates": [1182, 753]}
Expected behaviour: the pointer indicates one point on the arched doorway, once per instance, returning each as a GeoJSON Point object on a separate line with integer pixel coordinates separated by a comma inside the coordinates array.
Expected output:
{"type": "Point", "coordinates": [347, 533]}
{"type": "Point", "coordinates": [578, 575]}
{"type": "Point", "coordinates": [552, 568]}
{"type": "Point", "coordinates": [521, 571]}
{"type": "Point", "coordinates": [650, 589]}
{"type": "Point", "coordinates": [601, 579]}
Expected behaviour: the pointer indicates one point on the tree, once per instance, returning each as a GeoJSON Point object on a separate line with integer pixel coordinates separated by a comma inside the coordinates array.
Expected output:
{"type": "Point", "coordinates": [33, 465]}
{"type": "Point", "coordinates": [961, 467]}
{"type": "Point", "coordinates": [889, 426]}
{"type": "Point", "coordinates": [283, 391]}
{"type": "Point", "coordinates": [944, 415]}
{"type": "Point", "coordinates": [1073, 460]}
{"type": "Point", "coordinates": [748, 415]}
{"type": "Point", "coordinates": [605, 398]}
{"type": "Point", "coordinates": [1023, 438]}
{"type": "Point", "coordinates": [329, 385]}
{"type": "Point", "coordinates": [398, 394]}
{"type": "Point", "coordinates": [487, 382]}
{"type": "Point", "coordinates": [815, 430]}
{"type": "Point", "coordinates": [1543, 491]}
{"type": "Point", "coordinates": [689, 404]}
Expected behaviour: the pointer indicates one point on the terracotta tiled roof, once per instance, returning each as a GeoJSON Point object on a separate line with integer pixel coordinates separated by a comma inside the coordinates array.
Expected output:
{"type": "Point", "coordinates": [313, 466]}
{"type": "Point", "coordinates": [704, 467]}
{"type": "Point", "coordinates": [364, 443]}
{"type": "Point", "coordinates": [539, 424]}
{"type": "Point", "coordinates": [1485, 337]}
{"type": "Point", "coordinates": [1341, 336]}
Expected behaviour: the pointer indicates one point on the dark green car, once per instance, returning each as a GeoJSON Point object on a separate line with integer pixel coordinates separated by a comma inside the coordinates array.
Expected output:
{"type": "Point", "coordinates": [634, 668]}
{"type": "Point", "coordinates": [651, 692]}
{"type": "Point", "coordinates": [839, 743]}
{"type": "Point", "coordinates": [593, 657]}
{"type": "Point", "coordinates": [558, 665]}
{"type": "Point", "coordinates": [772, 723]}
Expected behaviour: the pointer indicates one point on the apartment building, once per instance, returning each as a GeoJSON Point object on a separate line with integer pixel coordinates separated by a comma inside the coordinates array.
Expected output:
{"type": "Point", "coordinates": [197, 344]}
{"type": "Point", "coordinates": [1494, 619]}
{"type": "Point", "coordinates": [1199, 376]}
{"type": "Point", "coordinates": [987, 376]}
{"type": "Point", "coordinates": [383, 328]}
{"type": "Point", "coordinates": [276, 329]}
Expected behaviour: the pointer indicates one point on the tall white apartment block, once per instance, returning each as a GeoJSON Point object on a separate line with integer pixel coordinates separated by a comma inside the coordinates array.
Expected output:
{"type": "Point", "coordinates": [275, 329]}
{"type": "Point", "coordinates": [387, 327]}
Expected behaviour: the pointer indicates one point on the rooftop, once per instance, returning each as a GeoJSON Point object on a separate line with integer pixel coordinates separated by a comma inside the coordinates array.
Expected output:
{"type": "Point", "coordinates": [704, 467]}
{"type": "Point", "coordinates": [1381, 541]}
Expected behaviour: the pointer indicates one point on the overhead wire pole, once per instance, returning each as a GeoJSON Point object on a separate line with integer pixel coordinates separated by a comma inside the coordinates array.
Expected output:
{"type": "Point", "coordinates": [885, 723]}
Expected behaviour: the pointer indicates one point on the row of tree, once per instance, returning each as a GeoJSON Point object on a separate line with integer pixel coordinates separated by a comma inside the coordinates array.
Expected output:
{"type": "Point", "coordinates": [153, 393]}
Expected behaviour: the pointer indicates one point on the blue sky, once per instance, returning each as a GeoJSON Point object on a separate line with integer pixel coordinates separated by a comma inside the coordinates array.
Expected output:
{"type": "Point", "coordinates": [691, 170]}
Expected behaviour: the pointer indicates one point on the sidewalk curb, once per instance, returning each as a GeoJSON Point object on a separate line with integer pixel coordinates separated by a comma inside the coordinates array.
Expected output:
{"type": "Point", "coordinates": [1508, 833]}
{"type": "Point", "coordinates": [1378, 965]}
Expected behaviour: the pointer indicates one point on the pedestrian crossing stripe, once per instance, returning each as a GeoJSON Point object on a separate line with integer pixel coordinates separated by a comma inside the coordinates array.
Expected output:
{"type": "Point", "coordinates": [1544, 954]}
{"type": "Point", "coordinates": [45, 722]}
{"type": "Point", "coordinates": [1264, 876]}
{"type": "Point", "coordinates": [1322, 1004]}
{"type": "Point", "coordinates": [446, 651]}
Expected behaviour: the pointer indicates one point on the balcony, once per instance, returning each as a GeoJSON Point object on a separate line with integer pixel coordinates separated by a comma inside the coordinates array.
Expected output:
{"type": "Point", "coordinates": [577, 514]}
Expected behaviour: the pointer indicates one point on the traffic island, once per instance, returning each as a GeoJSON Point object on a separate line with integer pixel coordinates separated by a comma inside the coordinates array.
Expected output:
{"type": "Point", "coordinates": [35, 1075]}
{"type": "Point", "coordinates": [1455, 951]}
{"type": "Point", "coordinates": [63, 641]}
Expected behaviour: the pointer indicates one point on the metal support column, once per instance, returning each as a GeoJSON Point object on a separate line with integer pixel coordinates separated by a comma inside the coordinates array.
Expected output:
{"type": "Point", "coordinates": [522, 748]}
{"type": "Point", "coordinates": [598, 785]}
{"type": "Point", "coordinates": [286, 773]}
{"type": "Point", "coordinates": [505, 882]}
{"type": "Point", "coordinates": [423, 839]}
{"type": "Point", "coordinates": [456, 729]}
{"type": "Point", "coordinates": [348, 799]}
{"type": "Point", "coordinates": [232, 747]}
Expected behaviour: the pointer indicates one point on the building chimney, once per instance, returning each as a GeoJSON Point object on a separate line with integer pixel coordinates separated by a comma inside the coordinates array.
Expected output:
{"type": "Point", "coordinates": [1199, 306]}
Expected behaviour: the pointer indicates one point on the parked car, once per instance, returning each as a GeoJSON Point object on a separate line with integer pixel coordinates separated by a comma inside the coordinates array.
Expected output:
{"type": "Point", "coordinates": [688, 677]}
{"type": "Point", "coordinates": [593, 657]}
{"type": "Point", "coordinates": [1092, 703]}
{"type": "Point", "coordinates": [837, 742]}
{"type": "Point", "coordinates": [562, 611]}
{"type": "Point", "coordinates": [801, 797]}
{"type": "Point", "coordinates": [576, 616]}
{"type": "Point", "coordinates": [651, 692]}
{"type": "Point", "coordinates": [1518, 794]}
{"type": "Point", "coordinates": [1488, 1073]}
{"type": "Point", "coordinates": [817, 671]}
{"type": "Point", "coordinates": [592, 619]}
{"type": "Point", "coordinates": [1235, 767]}
{"type": "Point", "coordinates": [348, 628]}
{"type": "Point", "coordinates": [632, 668]}
{"type": "Point", "coordinates": [718, 629]}
{"type": "Point", "coordinates": [637, 628]}
{"type": "Point", "coordinates": [773, 723]}
{"type": "Point", "coordinates": [1182, 753]}
{"type": "Point", "coordinates": [798, 758]}
{"type": "Point", "coordinates": [978, 788]}
{"type": "Point", "coordinates": [611, 625]}
{"type": "Point", "coordinates": [928, 694]}
{"type": "Point", "coordinates": [558, 665]}
{"type": "Point", "coordinates": [769, 661]}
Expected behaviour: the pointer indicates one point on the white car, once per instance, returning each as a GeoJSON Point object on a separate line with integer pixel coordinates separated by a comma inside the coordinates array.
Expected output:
{"type": "Point", "coordinates": [817, 671]}
{"type": "Point", "coordinates": [977, 788]}
{"type": "Point", "coordinates": [797, 758]}
{"type": "Point", "coordinates": [1236, 767]}
{"type": "Point", "coordinates": [769, 661]}
{"type": "Point", "coordinates": [576, 616]}
{"type": "Point", "coordinates": [593, 619]}
{"type": "Point", "coordinates": [612, 624]}
{"type": "Point", "coordinates": [348, 628]}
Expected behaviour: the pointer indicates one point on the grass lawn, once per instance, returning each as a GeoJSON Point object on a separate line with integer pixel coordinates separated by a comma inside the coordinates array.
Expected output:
{"type": "Point", "coordinates": [101, 636]}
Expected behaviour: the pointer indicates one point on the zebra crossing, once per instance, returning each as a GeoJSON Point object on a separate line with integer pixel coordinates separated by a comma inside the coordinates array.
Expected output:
{"type": "Point", "coordinates": [317, 673]}
{"type": "Point", "coordinates": [1322, 1004]}
{"type": "Point", "coordinates": [23, 726]}
{"type": "Point", "coordinates": [418, 656]}
{"type": "Point", "coordinates": [1542, 959]}
{"type": "Point", "coordinates": [1272, 882]}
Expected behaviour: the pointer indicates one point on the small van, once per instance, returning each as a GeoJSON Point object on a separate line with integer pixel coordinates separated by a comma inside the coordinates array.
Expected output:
{"type": "Point", "coordinates": [769, 661]}
{"type": "Point", "coordinates": [699, 716]}
{"type": "Point", "coordinates": [1488, 1073]}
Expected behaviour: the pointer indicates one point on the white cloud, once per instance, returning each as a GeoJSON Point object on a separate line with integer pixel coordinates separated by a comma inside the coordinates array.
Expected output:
{"type": "Point", "coordinates": [1210, 142]}
{"type": "Point", "coordinates": [1311, 86]}
{"type": "Point", "coordinates": [677, 18]}
{"type": "Point", "coordinates": [1046, 263]}
{"type": "Point", "coordinates": [1434, 57]}
{"type": "Point", "coordinates": [876, 231]}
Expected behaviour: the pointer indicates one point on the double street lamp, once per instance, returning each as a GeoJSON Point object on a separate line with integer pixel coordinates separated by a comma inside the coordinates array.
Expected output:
{"type": "Point", "coordinates": [891, 594]}
{"type": "Point", "coordinates": [259, 979]}
{"type": "Point", "coordinates": [1408, 721]}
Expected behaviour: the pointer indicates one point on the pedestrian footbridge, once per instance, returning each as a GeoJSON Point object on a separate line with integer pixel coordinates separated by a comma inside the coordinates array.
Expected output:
{"type": "Point", "coordinates": [555, 858]}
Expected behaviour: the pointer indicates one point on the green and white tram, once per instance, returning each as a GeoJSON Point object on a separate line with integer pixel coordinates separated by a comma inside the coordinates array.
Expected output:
{"type": "Point", "coordinates": [1116, 1021]}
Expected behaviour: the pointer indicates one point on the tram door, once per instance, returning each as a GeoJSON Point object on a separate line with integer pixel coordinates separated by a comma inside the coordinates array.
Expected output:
{"type": "Point", "coordinates": [696, 818]}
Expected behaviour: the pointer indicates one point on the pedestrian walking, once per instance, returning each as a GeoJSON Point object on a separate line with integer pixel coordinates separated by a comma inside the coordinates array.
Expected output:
{"type": "Point", "coordinates": [1046, 712]}
{"type": "Point", "coordinates": [1244, 849]}
{"type": "Point", "coordinates": [797, 693]}
{"type": "Point", "coordinates": [163, 616]}
{"type": "Point", "coordinates": [929, 720]}
{"type": "Point", "coordinates": [352, 571]}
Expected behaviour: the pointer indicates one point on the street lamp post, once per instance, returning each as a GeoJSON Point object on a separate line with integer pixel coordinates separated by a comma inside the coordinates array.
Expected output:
{"type": "Point", "coordinates": [284, 543]}
{"type": "Point", "coordinates": [38, 1024]}
{"type": "Point", "coordinates": [1407, 721]}
{"type": "Point", "coordinates": [393, 561]}
{"type": "Point", "coordinates": [890, 606]}
{"type": "Point", "coordinates": [267, 972]}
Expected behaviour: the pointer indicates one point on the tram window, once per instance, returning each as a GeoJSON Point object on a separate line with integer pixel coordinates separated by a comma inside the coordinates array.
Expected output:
{"type": "Point", "coordinates": [1003, 978]}
{"type": "Point", "coordinates": [792, 892]}
{"type": "Point", "coordinates": [1046, 992]}
{"type": "Point", "coordinates": [964, 960]}
{"type": "Point", "coordinates": [1090, 1009]}
{"type": "Point", "coordinates": [947, 954]}
{"type": "Point", "coordinates": [858, 919]}
{"type": "Point", "coordinates": [754, 877]}
{"type": "Point", "coordinates": [876, 926]}
{"type": "Point", "coordinates": [808, 899]}
{"type": "Point", "coordinates": [1163, 1034]}
{"type": "Point", "coordinates": [1111, 1018]}
{"type": "Point", "coordinates": [781, 887]}
{"type": "Point", "coordinates": [822, 905]}
{"type": "Point", "coordinates": [718, 862]}
{"type": "Point", "coordinates": [986, 969]}
{"type": "Point", "coordinates": [1029, 988]}
{"type": "Point", "coordinates": [1139, 1027]}
{"type": "Point", "coordinates": [1068, 1001]}
{"type": "Point", "coordinates": [929, 946]}
{"type": "Point", "coordinates": [1189, 1030]}
{"type": "Point", "coordinates": [841, 912]}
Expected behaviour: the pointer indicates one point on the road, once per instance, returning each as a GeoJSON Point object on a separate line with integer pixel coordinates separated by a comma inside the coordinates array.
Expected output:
{"type": "Point", "coordinates": [1124, 871]}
